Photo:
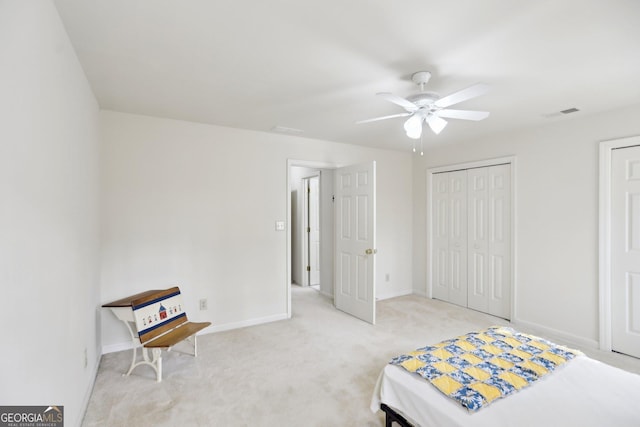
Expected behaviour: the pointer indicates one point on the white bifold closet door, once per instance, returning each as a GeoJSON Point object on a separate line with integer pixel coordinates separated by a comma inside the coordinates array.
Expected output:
{"type": "Point", "coordinates": [450, 237]}
{"type": "Point", "coordinates": [471, 240]}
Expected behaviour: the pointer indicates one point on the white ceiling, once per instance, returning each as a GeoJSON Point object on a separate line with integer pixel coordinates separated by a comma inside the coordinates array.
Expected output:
{"type": "Point", "coordinates": [317, 65]}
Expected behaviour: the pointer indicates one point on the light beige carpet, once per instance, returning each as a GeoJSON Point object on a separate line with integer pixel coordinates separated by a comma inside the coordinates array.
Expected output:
{"type": "Point", "coordinates": [317, 369]}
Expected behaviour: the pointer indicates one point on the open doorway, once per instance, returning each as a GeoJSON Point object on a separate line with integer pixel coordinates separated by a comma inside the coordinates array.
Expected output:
{"type": "Point", "coordinates": [306, 236]}
{"type": "Point", "coordinates": [297, 172]}
{"type": "Point", "coordinates": [347, 234]}
{"type": "Point", "coordinates": [309, 249]}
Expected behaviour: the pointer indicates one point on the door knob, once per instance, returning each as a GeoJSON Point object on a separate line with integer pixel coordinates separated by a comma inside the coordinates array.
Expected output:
{"type": "Point", "coordinates": [371, 251]}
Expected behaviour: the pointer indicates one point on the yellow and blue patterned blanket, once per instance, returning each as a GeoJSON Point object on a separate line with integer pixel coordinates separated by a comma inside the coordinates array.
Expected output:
{"type": "Point", "coordinates": [477, 368]}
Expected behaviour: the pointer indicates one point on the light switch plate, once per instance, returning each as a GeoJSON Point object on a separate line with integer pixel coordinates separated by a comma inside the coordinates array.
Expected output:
{"type": "Point", "coordinates": [279, 225]}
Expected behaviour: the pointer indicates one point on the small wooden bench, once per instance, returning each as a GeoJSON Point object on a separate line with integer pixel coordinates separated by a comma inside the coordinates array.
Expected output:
{"type": "Point", "coordinates": [160, 321]}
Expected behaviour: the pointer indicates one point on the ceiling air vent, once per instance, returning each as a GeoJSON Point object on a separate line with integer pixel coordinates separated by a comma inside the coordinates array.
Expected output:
{"type": "Point", "coordinates": [561, 113]}
{"type": "Point", "coordinates": [284, 129]}
{"type": "Point", "coordinates": [570, 110]}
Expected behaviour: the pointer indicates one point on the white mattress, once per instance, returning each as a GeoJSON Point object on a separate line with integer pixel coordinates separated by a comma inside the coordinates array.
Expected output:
{"type": "Point", "coordinates": [584, 392]}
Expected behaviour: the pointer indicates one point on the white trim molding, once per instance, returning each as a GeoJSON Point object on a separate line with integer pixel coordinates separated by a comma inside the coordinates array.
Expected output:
{"type": "Point", "coordinates": [604, 245]}
{"type": "Point", "coordinates": [555, 335]}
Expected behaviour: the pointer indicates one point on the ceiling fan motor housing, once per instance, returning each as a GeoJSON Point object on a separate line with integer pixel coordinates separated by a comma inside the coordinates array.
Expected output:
{"type": "Point", "coordinates": [424, 99]}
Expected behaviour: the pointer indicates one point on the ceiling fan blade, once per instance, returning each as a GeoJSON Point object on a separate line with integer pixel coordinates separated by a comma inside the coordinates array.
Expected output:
{"type": "Point", "coordinates": [383, 118]}
{"type": "Point", "coordinates": [407, 105]}
{"type": "Point", "coordinates": [436, 123]}
{"type": "Point", "coordinates": [463, 114]}
{"type": "Point", "coordinates": [462, 95]}
{"type": "Point", "coordinates": [413, 126]}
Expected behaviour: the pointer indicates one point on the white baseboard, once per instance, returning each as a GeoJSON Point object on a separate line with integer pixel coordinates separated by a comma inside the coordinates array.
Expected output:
{"type": "Point", "coordinates": [112, 348]}
{"type": "Point", "coordinates": [387, 295]}
{"type": "Point", "coordinates": [326, 294]}
{"type": "Point", "coordinates": [420, 293]}
{"type": "Point", "coordinates": [244, 323]}
{"type": "Point", "coordinates": [89, 391]}
{"type": "Point", "coordinates": [560, 337]}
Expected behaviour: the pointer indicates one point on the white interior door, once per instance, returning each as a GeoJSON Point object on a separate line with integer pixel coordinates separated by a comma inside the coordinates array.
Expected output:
{"type": "Point", "coordinates": [625, 250]}
{"type": "Point", "coordinates": [458, 237]}
{"type": "Point", "coordinates": [489, 240]}
{"type": "Point", "coordinates": [355, 226]}
{"type": "Point", "coordinates": [440, 239]}
{"type": "Point", "coordinates": [314, 230]}
{"type": "Point", "coordinates": [478, 251]}
{"type": "Point", "coordinates": [450, 237]}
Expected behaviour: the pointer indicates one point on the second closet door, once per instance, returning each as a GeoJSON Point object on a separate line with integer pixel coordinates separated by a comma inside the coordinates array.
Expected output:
{"type": "Point", "coordinates": [489, 240]}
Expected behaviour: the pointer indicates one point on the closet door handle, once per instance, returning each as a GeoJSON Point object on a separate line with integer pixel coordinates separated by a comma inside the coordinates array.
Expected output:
{"type": "Point", "coordinates": [371, 251]}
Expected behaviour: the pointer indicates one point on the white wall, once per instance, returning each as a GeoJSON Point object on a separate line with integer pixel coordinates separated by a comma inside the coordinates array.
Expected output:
{"type": "Point", "coordinates": [556, 216]}
{"type": "Point", "coordinates": [49, 214]}
{"type": "Point", "coordinates": [196, 205]}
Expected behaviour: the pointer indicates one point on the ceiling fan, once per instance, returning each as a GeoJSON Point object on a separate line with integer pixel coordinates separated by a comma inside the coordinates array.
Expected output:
{"type": "Point", "coordinates": [429, 108]}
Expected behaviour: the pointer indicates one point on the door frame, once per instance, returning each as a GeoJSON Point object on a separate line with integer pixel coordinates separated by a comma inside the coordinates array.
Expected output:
{"type": "Point", "coordinates": [511, 160]}
{"type": "Point", "coordinates": [604, 226]}
{"type": "Point", "coordinates": [304, 164]}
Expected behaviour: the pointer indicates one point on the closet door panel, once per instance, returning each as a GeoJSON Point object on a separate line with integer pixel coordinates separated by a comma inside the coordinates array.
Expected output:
{"type": "Point", "coordinates": [440, 233]}
{"type": "Point", "coordinates": [499, 240]}
{"type": "Point", "coordinates": [478, 297]}
{"type": "Point", "coordinates": [458, 237]}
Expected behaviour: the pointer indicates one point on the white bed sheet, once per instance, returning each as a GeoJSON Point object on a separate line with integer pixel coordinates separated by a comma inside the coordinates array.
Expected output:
{"type": "Point", "coordinates": [584, 392]}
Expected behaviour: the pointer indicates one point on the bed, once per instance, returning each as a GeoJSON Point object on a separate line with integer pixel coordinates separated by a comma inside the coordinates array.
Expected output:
{"type": "Point", "coordinates": [582, 392]}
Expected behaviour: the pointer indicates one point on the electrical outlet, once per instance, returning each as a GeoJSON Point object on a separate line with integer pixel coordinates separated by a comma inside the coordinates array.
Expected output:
{"type": "Point", "coordinates": [386, 277]}
{"type": "Point", "coordinates": [203, 304]}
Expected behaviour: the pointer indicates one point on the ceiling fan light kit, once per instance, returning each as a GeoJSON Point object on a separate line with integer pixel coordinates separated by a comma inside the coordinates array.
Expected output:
{"type": "Point", "coordinates": [430, 108]}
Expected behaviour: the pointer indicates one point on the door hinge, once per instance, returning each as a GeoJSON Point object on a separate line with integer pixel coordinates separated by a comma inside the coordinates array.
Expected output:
{"type": "Point", "coordinates": [308, 229]}
{"type": "Point", "coordinates": [308, 268]}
